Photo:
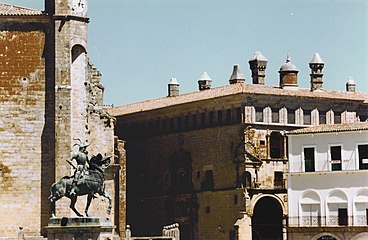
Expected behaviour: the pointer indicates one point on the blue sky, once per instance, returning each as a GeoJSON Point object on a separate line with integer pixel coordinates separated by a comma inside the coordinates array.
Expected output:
{"type": "Point", "coordinates": [138, 45]}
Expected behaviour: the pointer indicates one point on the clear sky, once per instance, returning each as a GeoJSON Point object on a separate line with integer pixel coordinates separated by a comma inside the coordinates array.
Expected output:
{"type": "Point", "coordinates": [138, 45]}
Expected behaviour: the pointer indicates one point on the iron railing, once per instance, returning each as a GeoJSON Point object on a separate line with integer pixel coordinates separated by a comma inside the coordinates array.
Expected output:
{"type": "Point", "coordinates": [330, 221]}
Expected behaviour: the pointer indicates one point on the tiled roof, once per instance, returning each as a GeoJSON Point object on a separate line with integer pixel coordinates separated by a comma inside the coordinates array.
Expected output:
{"type": "Point", "coordinates": [11, 10]}
{"type": "Point", "coordinates": [233, 89]}
{"type": "Point", "coordinates": [324, 128]}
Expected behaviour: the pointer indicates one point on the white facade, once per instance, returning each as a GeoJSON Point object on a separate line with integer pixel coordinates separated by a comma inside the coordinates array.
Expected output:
{"type": "Point", "coordinates": [328, 182]}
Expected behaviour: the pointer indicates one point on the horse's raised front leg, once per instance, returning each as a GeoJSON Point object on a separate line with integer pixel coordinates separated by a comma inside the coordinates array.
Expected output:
{"type": "Point", "coordinates": [73, 200]}
{"type": "Point", "coordinates": [107, 195]}
{"type": "Point", "coordinates": [89, 200]}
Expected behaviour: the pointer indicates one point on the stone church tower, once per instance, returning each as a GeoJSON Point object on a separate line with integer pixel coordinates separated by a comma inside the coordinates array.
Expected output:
{"type": "Point", "coordinates": [51, 96]}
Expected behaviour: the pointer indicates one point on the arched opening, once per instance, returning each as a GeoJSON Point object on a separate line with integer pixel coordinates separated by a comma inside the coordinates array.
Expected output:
{"type": "Point", "coordinates": [310, 207]}
{"type": "Point", "coordinates": [337, 209]}
{"type": "Point", "coordinates": [78, 77]}
{"type": "Point", "coordinates": [361, 208]}
{"type": "Point", "coordinates": [276, 145]}
{"type": "Point", "coordinates": [267, 219]}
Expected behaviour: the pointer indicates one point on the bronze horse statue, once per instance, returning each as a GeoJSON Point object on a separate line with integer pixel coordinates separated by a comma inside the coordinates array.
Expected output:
{"type": "Point", "coordinates": [90, 184]}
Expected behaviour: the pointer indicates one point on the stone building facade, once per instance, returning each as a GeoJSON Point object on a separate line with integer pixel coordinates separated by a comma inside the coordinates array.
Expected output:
{"type": "Point", "coordinates": [215, 160]}
{"type": "Point", "coordinates": [51, 95]}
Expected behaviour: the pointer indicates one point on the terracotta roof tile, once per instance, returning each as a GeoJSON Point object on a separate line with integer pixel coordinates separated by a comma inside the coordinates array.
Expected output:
{"type": "Point", "coordinates": [11, 10]}
{"type": "Point", "coordinates": [324, 128]}
{"type": "Point", "coordinates": [232, 89]}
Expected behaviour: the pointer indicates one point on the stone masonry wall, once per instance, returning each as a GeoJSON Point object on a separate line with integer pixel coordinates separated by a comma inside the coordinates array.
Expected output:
{"type": "Point", "coordinates": [22, 107]}
{"type": "Point", "coordinates": [210, 149]}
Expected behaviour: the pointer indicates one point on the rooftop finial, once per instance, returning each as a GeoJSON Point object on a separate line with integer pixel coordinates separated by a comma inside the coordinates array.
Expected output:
{"type": "Point", "coordinates": [288, 58]}
{"type": "Point", "coordinates": [258, 64]}
{"type": "Point", "coordinates": [236, 76]}
{"type": "Point", "coordinates": [204, 82]}
{"type": "Point", "coordinates": [316, 59]}
{"type": "Point", "coordinates": [350, 85]}
{"type": "Point", "coordinates": [173, 88]}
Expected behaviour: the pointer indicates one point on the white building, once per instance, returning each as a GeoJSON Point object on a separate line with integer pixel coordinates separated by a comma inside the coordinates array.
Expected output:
{"type": "Point", "coordinates": [328, 182]}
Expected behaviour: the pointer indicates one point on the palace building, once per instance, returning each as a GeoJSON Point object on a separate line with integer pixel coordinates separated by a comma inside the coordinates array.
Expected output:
{"type": "Point", "coordinates": [215, 160]}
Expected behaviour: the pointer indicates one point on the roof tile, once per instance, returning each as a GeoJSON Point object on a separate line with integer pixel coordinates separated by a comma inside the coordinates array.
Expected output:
{"type": "Point", "coordinates": [233, 89]}
{"type": "Point", "coordinates": [324, 128]}
{"type": "Point", "coordinates": [11, 10]}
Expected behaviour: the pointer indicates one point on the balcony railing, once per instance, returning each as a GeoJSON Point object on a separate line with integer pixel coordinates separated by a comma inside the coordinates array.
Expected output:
{"type": "Point", "coordinates": [330, 221]}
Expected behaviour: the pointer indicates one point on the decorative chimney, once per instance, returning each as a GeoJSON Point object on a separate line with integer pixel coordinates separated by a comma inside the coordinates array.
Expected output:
{"type": "Point", "coordinates": [258, 64]}
{"type": "Point", "coordinates": [316, 65]}
{"type": "Point", "coordinates": [204, 82]}
{"type": "Point", "coordinates": [236, 76]}
{"type": "Point", "coordinates": [288, 74]}
{"type": "Point", "coordinates": [173, 88]}
{"type": "Point", "coordinates": [350, 85]}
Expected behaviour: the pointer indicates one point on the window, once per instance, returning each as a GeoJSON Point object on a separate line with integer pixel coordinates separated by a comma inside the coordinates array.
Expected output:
{"type": "Point", "coordinates": [309, 159]}
{"type": "Point", "coordinates": [186, 122]}
{"type": "Point", "coordinates": [259, 114]}
{"type": "Point", "coordinates": [275, 115]}
{"type": "Point", "coordinates": [363, 156]}
{"type": "Point", "coordinates": [322, 117]}
{"type": "Point", "coordinates": [219, 116]}
{"type": "Point", "coordinates": [194, 121]}
{"type": "Point", "coordinates": [172, 124]}
{"type": "Point", "coordinates": [343, 216]}
{"type": "Point", "coordinates": [208, 209]}
{"type": "Point", "coordinates": [208, 183]}
{"type": "Point", "coordinates": [335, 152]}
{"type": "Point", "coordinates": [276, 145]}
{"type": "Point", "coordinates": [179, 123]}
{"type": "Point", "coordinates": [337, 117]}
{"type": "Point", "coordinates": [203, 119]}
{"type": "Point", "coordinates": [278, 180]}
{"type": "Point", "coordinates": [307, 117]}
{"type": "Point", "coordinates": [211, 118]}
{"type": "Point", "coordinates": [291, 117]}
{"type": "Point", "coordinates": [228, 116]}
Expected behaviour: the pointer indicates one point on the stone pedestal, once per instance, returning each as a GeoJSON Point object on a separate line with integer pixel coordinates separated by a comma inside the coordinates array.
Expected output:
{"type": "Point", "coordinates": [243, 227]}
{"type": "Point", "coordinates": [80, 228]}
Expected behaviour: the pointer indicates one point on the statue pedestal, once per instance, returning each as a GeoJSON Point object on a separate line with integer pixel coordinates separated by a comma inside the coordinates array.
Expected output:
{"type": "Point", "coordinates": [80, 228]}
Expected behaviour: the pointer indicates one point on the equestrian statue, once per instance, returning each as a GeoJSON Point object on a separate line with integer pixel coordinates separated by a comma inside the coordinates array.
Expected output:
{"type": "Point", "coordinates": [88, 179]}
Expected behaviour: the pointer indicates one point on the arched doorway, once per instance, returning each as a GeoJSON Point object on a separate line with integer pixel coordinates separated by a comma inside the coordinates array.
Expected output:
{"type": "Point", "coordinates": [267, 219]}
{"type": "Point", "coordinates": [326, 237]}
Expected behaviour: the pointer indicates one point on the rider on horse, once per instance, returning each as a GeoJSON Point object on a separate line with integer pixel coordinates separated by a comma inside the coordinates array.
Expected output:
{"type": "Point", "coordinates": [81, 159]}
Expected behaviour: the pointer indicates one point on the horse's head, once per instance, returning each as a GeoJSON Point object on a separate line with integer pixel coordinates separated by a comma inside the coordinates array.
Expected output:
{"type": "Point", "coordinates": [100, 162]}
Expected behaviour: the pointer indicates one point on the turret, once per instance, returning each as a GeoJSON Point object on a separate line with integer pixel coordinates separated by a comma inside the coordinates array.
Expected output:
{"type": "Point", "coordinates": [288, 74]}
